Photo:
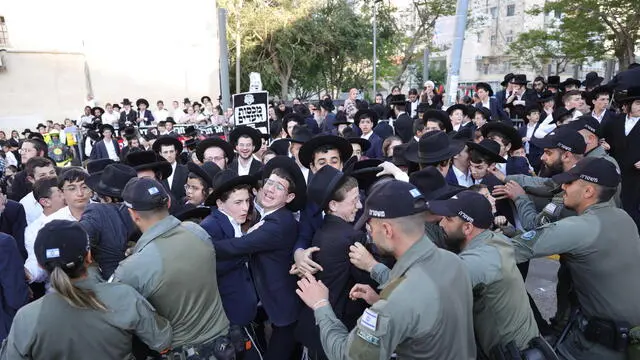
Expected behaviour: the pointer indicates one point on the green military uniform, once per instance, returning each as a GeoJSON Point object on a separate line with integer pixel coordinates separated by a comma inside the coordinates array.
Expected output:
{"type": "Point", "coordinates": [501, 307]}
{"type": "Point", "coordinates": [601, 248]}
{"type": "Point", "coordinates": [50, 328]}
{"type": "Point", "coordinates": [424, 312]}
{"type": "Point", "coordinates": [173, 265]}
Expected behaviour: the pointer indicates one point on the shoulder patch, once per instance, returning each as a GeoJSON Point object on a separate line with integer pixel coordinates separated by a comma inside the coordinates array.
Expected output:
{"type": "Point", "coordinates": [369, 319]}
{"type": "Point", "coordinates": [373, 340]}
{"type": "Point", "coordinates": [528, 235]}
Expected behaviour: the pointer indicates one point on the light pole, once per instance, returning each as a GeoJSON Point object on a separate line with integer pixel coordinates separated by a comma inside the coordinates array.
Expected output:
{"type": "Point", "coordinates": [375, 45]}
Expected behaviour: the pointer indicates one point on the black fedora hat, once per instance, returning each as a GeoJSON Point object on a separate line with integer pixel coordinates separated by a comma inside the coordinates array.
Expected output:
{"type": "Point", "coordinates": [519, 79]}
{"type": "Point", "coordinates": [126, 101]}
{"type": "Point", "coordinates": [630, 95]}
{"type": "Point", "coordinates": [98, 165]}
{"type": "Point", "coordinates": [149, 160]}
{"type": "Point", "coordinates": [348, 165]}
{"type": "Point", "coordinates": [214, 142]}
{"type": "Point", "coordinates": [366, 173]}
{"type": "Point", "coordinates": [592, 79]}
{"type": "Point", "coordinates": [41, 125]}
{"type": "Point", "coordinates": [507, 79]}
{"type": "Point", "coordinates": [508, 131]}
{"type": "Point", "coordinates": [486, 113]}
{"type": "Point", "coordinates": [399, 99]}
{"type": "Point", "coordinates": [398, 158]}
{"type": "Point", "coordinates": [191, 131]}
{"type": "Point", "coordinates": [301, 135]}
{"type": "Point", "coordinates": [166, 140]}
{"type": "Point", "coordinates": [355, 139]}
{"type": "Point", "coordinates": [305, 155]}
{"type": "Point", "coordinates": [129, 133]}
{"type": "Point", "coordinates": [433, 185]}
{"type": "Point", "coordinates": [104, 127]}
{"type": "Point", "coordinates": [441, 116]}
{"type": "Point", "coordinates": [205, 97]}
{"type": "Point", "coordinates": [112, 180]}
{"type": "Point", "coordinates": [560, 113]}
{"type": "Point", "coordinates": [455, 107]}
{"type": "Point", "coordinates": [433, 147]}
{"type": "Point", "coordinates": [281, 147]}
{"type": "Point", "coordinates": [206, 172]}
{"type": "Point", "coordinates": [465, 133]}
{"type": "Point", "coordinates": [327, 104]}
{"type": "Point", "coordinates": [244, 130]}
{"type": "Point", "coordinates": [365, 113]}
{"type": "Point", "coordinates": [546, 96]}
{"type": "Point", "coordinates": [26, 131]}
{"type": "Point", "coordinates": [422, 107]}
{"type": "Point", "coordinates": [170, 120]}
{"type": "Point", "coordinates": [323, 185]}
{"type": "Point", "coordinates": [93, 111]}
{"type": "Point", "coordinates": [598, 90]}
{"type": "Point", "coordinates": [570, 81]}
{"type": "Point", "coordinates": [553, 81]}
{"type": "Point", "coordinates": [193, 213]}
{"type": "Point", "coordinates": [191, 144]}
{"type": "Point", "coordinates": [489, 149]}
{"type": "Point", "coordinates": [225, 181]}
{"type": "Point", "coordinates": [290, 166]}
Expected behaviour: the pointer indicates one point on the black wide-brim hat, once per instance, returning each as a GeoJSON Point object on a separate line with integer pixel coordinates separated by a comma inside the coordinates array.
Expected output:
{"type": "Point", "coordinates": [281, 147]}
{"type": "Point", "coordinates": [632, 94]}
{"type": "Point", "coordinates": [104, 127]}
{"type": "Point", "coordinates": [214, 142]}
{"type": "Point", "coordinates": [26, 131]}
{"type": "Point", "coordinates": [364, 143]}
{"type": "Point", "coordinates": [323, 185]}
{"type": "Point", "coordinates": [97, 108]}
{"type": "Point", "coordinates": [241, 130]}
{"type": "Point", "coordinates": [191, 131]}
{"type": "Point", "coordinates": [301, 135]}
{"type": "Point", "coordinates": [455, 107]}
{"type": "Point", "coordinates": [112, 180]}
{"type": "Point", "coordinates": [508, 131]}
{"type": "Point", "coordinates": [366, 173]}
{"type": "Point", "coordinates": [305, 155]}
{"type": "Point", "coordinates": [170, 120]}
{"type": "Point", "coordinates": [166, 140]}
{"type": "Point", "coordinates": [602, 89]}
{"type": "Point", "coordinates": [197, 213]}
{"type": "Point", "coordinates": [399, 99]}
{"type": "Point", "coordinates": [206, 172]}
{"type": "Point", "coordinates": [290, 166]}
{"type": "Point", "coordinates": [546, 96]}
{"type": "Point", "coordinates": [570, 81]}
{"type": "Point", "coordinates": [129, 132]}
{"type": "Point", "coordinates": [149, 160]}
{"type": "Point", "coordinates": [559, 113]}
{"type": "Point", "coordinates": [486, 113]}
{"type": "Point", "coordinates": [592, 79]}
{"type": "Point", "coordinates": [489, 148]}
{"type": "Point", "coordinates": [226, 180]}
{"type": "Point", "coordinates": [433, 147]}
{"type": "Point", "coordinates": [98, 165]}
{"type": "Point", "coordinates": [441, 116]}
{"type": "Point", "coordinates": [553, 81]}
{"type": "Point", "coordinates": [519, 79]}
{"type": "Point", "coordinates": [398, 158]}
{"type": "Point", "coordinates": [507, 79]}
{"type": "Point", "coordinates": [327, 104]}
{"type": "Point", "coordinates": [366, 113]}
{"type": "Point", "coordinates": [433, 185]}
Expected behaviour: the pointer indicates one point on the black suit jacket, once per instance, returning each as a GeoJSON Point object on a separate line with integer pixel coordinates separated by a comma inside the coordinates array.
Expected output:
{"type": "Point", "coordinates": [517, 111]}
{"type": "Point", "coordinates": [177, 185]}
{"type": "Point", "coordinates": [255, 166]}
{"type": "Point", "coordinates": [404, 127]}
{"type": "Point", "coordinates": [99, 150]}
{"type": "Point", "coordinates": [20, 187]}
{"type": "Point", "coordinates": [132, 117]}
{"type": "Point", "coordinates": [13, 221]}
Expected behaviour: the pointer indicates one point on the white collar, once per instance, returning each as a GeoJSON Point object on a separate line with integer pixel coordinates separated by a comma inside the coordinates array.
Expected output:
{"type": "Point", "coordinates": [460, 173]}
{"type": "Point", "coordinates": [368, 136]}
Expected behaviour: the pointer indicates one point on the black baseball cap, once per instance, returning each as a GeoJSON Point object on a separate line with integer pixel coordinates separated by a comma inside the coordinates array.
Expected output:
{"type": "Point", "coordinates": [594, 170]}
{"type": "Point", "coordinates": [585, 122]}
{"type": "Point", "coordinates": [61, 243]}
{"type": "Point", "coordinates": [563, 137]}
{"type": "Point", "coordinates": [468, 205]}
{"type": "Point", "coordinates": [392, 199]}
{"type": "Point", "coordinates": [144, 194]}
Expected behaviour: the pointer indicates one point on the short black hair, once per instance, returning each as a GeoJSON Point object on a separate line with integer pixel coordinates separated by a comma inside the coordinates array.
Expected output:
{"type": "Point", "coordinates": [413, 91]}
{"type": "Point", "coordinates": [283, 173]}
{"type": "Point", "coordinates": [418, 125]}
{"type": "Point", "coordinates": [477, 157]}
{"type": "Point", "coordinates": [322, 149]}
{"type": "Point", "coordinates": [72, 175]}
{"type": "Point", "coordinates": [35, 162]}
{"type": "Point", "coordinates": [42, 188]}
{"type": "Point", "coordinates": [225, 195]}
{"type": "Point", "coordinates": [39, 145]}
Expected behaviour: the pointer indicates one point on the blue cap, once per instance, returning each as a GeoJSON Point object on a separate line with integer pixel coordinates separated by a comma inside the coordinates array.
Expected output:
{"type": "Point", "coordinates": [468, 205]}
{"type": "Point", "coordinates": [145, 194]}
{"type": "Point", "coordinates": [594, 170]}
{"type": "Point", "coordinates": [563, 137]}
{"type": "Point", "coordinates": [392, 199]}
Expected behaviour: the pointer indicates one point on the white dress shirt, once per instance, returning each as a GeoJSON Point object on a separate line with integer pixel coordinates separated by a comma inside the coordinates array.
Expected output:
{"type": "Point", "coordinates": [502, 166]}
{"type": "Point", "coordinates": [463, 179]}
{"type": "Point", "coordinates": [599, 118]}
{"type": "Point", "coordinates": [414, 108]}
{"type": "Point", "coordinates": [366, 136]}
{"type": "Point", "coordinates": [110, 118]}
{"type": "Point", "coordinates": [629, 123]}
{"type": "Point", "coordinates": [173, 171]}
{"type": "Point", "coordinates": [237, 230]}
{"type": "Point", "coordinates": [111, 150]}
{"type": "Point", "coordinates": [305, 172]}
{"type": "Point", "coordinates": [244, 170]}
{"type": "Point", "coordinates": [530, 128]}
{"type": "Point", "coordinates": [11, 159]}
{"type": "Point", "coordinates": [161, 115]}
{"type": "Point", "coordinates": [545, 127]}
{"type": "Point", "coordinates": [32, 208]}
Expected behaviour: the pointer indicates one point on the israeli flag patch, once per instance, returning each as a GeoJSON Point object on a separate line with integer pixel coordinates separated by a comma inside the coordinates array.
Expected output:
{"type": "Point", "coordinates": [369, 320]}
{"type": "Point", "coordinates": [528, 235]}
{"type": "Point", "coordinates": [415, 193]}
{"type": "Point", "coordinates": [52, 253]}
{"type": "Point", "coordinates": [154, 190]}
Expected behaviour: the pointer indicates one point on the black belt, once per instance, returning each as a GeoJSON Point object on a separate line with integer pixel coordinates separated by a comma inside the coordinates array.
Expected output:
{"type": "Point", "coordinates": [220, 348]}
{"type": "Point", "coordinates": [608, 333]}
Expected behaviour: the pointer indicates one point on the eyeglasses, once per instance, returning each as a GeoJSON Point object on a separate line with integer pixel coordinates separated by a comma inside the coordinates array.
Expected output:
{"type": "Point", "coordinates": [245, 145]}
{"type": "Point", "coordinates": [214, 159]}
{"type": "Point", "coordinates": [83, 188]}
{"type": "Point", "coordinates": [275, 184]}
{"type": "Point", "coordinates": [188, 187]}
{"type": "Point", "coordinates": [22, 151]}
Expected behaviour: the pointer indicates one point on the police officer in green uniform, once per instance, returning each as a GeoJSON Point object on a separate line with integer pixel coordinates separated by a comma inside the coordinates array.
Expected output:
{"type": "Point", "coordinates": [601, 247]}
{"type": "Point", "coordinates": [83, 317]}
{"type": "Point", "coordinates": [173, 265]}
{"type": "Point", "coordinates": [425, 308]}
{"type": "Point", "coordinates": [503, 320]}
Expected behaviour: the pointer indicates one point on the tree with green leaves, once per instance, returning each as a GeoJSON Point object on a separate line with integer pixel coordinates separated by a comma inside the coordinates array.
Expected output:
{"type": "Point", "coordinates": [589, 28]}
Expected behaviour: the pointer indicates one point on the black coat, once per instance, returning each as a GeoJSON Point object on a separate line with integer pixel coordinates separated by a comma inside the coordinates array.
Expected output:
{"type": "Point", "coordinates": [626, 150]}
{"type": "Point", "coordinates": [177, 185]}
{"type": "Point", "coordinates": [404, 127]}
{"type": "Point", "coordinates": [13, 221]}
{"type": "Point", "coordinates": [20, 187]}
{"type": "Point", "coordinates": [517, 111]}
{"type": "Point", "coordinates": [131, 117]}
{"type": "Point", "coordinates": [334, 239]}
{"type": "Point", "coordinates": [254, 168]}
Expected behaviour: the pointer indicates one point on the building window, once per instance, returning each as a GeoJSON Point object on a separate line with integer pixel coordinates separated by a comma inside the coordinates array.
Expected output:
{"type": "Point", "coordinates": [494, 12]}
{"type": "Point", "coordinates": [511, 10]}
{"type": "Point", "coordinates": [509, 37]}
{"type": "Point", "coordinates": [493, 40]}
{"type": "Point", "coordinates": [4, 35]}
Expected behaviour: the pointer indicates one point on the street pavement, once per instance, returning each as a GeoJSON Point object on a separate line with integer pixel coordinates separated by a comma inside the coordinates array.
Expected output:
{"type": "Point", "coordinates": [541, 284]}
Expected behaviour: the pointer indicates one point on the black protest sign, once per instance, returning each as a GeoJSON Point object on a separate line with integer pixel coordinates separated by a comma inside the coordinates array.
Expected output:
{"type": "Point", "coordinates": [251, 109]}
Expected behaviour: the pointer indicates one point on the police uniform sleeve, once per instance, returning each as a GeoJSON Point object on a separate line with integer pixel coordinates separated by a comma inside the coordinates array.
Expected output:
{"type": "Point", "coordinates": [140, 272]}
{"type": "Point", "coordinates": [151, 328]}
{"type": "Point", "coordinates": [526, 211]}
{"type": "Point", "coordinates": [18, 343]}
{"type": "Point", "coordinates": [483, 264]}
{"type": "Point", "coordinates": [561, 237]}
{"type": "Point", "coordinates": [526, 180]}
{"type": "Point", "coordinates": [380, 273]}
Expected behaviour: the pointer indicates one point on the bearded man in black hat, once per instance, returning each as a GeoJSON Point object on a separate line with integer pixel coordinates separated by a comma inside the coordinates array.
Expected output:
{"type": "Point", "coordinates": [520, 97]}
{"type": "Point", "coordinates": [246, 141]}
{"type": "Point", "coordinates": [127, 115]}
{"type": "Point", "coordinates": [108, 147]}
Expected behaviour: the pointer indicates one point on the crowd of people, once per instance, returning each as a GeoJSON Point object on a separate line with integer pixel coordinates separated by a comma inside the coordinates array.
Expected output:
{"type": "Point", "coordinates": [390, 230]}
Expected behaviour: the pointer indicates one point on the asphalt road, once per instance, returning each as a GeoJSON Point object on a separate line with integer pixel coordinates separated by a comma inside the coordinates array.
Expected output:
{"type": "Point", "coordinates": [541, 284]}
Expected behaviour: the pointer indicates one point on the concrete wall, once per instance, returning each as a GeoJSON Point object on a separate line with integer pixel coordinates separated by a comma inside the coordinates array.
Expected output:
{"type": "Point", "coordinates": [61, 51]}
